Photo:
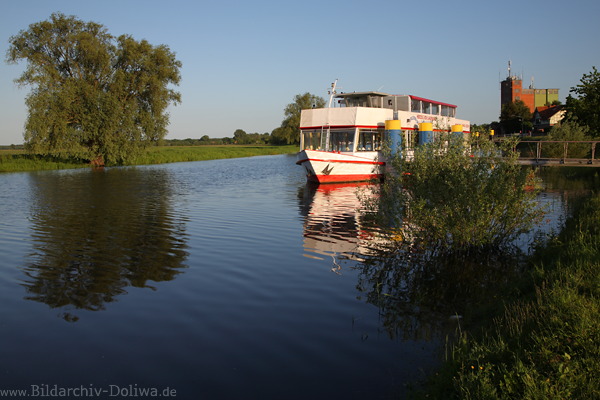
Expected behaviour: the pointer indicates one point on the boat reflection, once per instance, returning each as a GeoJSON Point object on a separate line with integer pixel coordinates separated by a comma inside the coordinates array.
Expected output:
{"type": "Point", "coordinates": [337, 223]}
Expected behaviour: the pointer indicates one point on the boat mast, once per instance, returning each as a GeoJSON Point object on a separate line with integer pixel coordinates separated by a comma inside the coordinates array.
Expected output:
{"type": "Point", "coordinates": [332, 93]}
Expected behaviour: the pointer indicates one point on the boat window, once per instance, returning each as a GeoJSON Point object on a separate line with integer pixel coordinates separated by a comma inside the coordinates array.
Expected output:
{"type": "Point", "coordinates": [342, 140]}
{"type": "Point", "coordinates": [426, 108]}
{"type": "Point", "coordinates": [410, 138]}
{"type": "Point", "coordinates": [415, 105]}
{"type": "Point", "coordinates": [312, 139]}
{"type": "Point", "coordinates": [447, 111]}
{"type": "Point", "coordinates": [369, 140]}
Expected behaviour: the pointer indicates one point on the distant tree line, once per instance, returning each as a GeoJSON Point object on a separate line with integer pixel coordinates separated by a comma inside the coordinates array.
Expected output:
{"type": "Point", "coordinates": [239, 137]}
{"type": "Point", "coordinates": [287, 133]}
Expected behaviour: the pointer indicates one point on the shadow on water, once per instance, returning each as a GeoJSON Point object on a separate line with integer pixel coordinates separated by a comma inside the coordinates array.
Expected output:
{"type": "Point", "coordinates": [422, 297]}
{"type": "Point", "coordinates": [96, 233]}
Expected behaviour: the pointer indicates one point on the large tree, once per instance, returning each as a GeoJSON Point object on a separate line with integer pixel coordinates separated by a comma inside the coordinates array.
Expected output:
{"type": "Point", "coordinates": [94, 96]}
{"type": "Point", "coordinates": [585, 108]}
{"type": "Point", "coordinates": [515, 117]}
{"type": "Point", "coordinates": [288, 132]}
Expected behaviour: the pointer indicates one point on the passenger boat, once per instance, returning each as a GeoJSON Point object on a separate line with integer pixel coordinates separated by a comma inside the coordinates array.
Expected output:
{"type": "Point", "coordinates": [344, 142]}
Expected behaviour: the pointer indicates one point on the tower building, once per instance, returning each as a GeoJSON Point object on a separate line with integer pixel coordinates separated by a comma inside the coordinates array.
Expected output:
{"type": "Point", "coordinates": [511, 90]}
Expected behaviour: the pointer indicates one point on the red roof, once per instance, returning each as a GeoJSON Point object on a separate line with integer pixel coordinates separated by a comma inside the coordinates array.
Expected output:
{"type": "Point", "coordinates": [431, 101]}
{"type": "Point", "coordinates": [546, 112]}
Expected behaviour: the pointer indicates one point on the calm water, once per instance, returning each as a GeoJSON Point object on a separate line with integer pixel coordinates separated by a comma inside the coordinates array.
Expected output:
{"type": "Point", "coordinates": [222, 279]}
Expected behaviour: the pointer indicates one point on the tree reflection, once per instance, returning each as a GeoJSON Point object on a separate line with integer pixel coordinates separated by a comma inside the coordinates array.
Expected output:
{"type": "Point", "coordinates": [96, 233]}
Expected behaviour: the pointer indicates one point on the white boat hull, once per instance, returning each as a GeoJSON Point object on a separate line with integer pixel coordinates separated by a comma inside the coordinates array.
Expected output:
{"type": "Point", "coordinates": [325, 166]}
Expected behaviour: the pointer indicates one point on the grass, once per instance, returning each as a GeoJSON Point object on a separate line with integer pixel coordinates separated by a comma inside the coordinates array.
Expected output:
{"type": "Point", "coordinates": [169, 154]}
{"type": "Point", "coordinates": [545, 343]}
{"type": "Point", "coordinates": [19, 160]}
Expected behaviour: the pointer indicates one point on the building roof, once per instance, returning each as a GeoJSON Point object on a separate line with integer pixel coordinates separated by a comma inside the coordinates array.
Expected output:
{"type": "Point", "coordinates": [547, 112]}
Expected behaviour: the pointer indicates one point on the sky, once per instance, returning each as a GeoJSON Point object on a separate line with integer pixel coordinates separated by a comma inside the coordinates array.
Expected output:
{"type": "Point", "coordinates": [244, 61]}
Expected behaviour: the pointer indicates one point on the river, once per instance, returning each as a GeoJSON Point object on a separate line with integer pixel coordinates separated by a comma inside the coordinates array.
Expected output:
{"type": "Point", "coordinates": [222, 279]}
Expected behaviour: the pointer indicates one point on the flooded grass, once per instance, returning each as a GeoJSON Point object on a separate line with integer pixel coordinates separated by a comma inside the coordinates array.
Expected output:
{"type": "Point", "coordinates": [544, 342]}
{"type": "Point", "coordinates": [169, 154]}
{"type": "Point", "coordinates": [20, 160]}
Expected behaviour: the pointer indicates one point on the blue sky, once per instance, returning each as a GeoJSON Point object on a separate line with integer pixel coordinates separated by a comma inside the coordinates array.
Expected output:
{"type": "Point", "coordinates": [244, 61]}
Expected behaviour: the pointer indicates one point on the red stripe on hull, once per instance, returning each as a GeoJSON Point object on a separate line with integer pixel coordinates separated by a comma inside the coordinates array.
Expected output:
{"type": "Point", "coordinates": [345, 161]}
{"type": "Point", "coordinates": [344, 178]}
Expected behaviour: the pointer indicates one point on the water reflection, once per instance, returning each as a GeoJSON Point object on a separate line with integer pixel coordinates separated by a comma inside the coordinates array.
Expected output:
{"type": "Point", "coordinates": [336, 223]}
{"type": "Point", "coordinates": [419, 294]}
{"type": "Point", "coordinates": [95, 233]}
{"type": "Point", "coordinates": [419, 297]}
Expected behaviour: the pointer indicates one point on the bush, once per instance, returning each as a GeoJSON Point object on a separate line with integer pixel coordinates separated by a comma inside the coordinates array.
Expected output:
{"type": "Point", "coordinates": [457, 198]}
{"type": "Point", "coordinates": [567, 130]}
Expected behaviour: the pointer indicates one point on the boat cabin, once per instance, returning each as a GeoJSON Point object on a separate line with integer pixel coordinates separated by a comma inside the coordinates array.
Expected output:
{"type": "Point", "coordinates": [396, 103]}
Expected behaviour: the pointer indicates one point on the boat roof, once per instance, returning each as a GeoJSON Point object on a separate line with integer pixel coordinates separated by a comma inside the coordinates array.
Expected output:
{"type": "Point", "coordinates": [362, 94]}
{"type": "Point", "coordinates": [381, 94]}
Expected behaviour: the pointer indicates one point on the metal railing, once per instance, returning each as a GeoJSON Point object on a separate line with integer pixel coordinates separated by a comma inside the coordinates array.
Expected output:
{"type": "Point", "coordinates": [534, 152]}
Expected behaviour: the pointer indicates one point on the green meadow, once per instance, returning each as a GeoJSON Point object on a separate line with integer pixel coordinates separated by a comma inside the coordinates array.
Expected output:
{"type": "Point", "coordinates": [19, 160]}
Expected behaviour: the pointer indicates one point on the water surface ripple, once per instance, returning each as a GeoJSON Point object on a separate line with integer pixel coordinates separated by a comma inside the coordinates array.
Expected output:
{"type": "Point", "coordinates": [220, 279]}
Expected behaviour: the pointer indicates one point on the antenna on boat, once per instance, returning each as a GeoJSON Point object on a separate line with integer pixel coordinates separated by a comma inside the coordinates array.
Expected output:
{"type": "Point", "coordinates": [332, 93]}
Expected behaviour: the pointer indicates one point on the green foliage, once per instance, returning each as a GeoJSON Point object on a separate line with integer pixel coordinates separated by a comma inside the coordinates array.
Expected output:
{"type": "Point", "coordinates": [453, 202]}
{"type": "Point", "coordinates": [515, 117]}
{"type": "Point", "coordinates": [568, 130]}
{"type": "Point", "coordinates": [585, 108]}
{"type": "Point", "coordinates": [94, 96]}
{"type": "Point", "coordinates": [288, 132]}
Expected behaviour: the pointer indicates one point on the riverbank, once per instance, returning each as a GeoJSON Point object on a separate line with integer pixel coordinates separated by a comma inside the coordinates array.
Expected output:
{"type": "Point", "coordinates": [20, 161]}
{"type": "Point", "coordinates": [543, 341]}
